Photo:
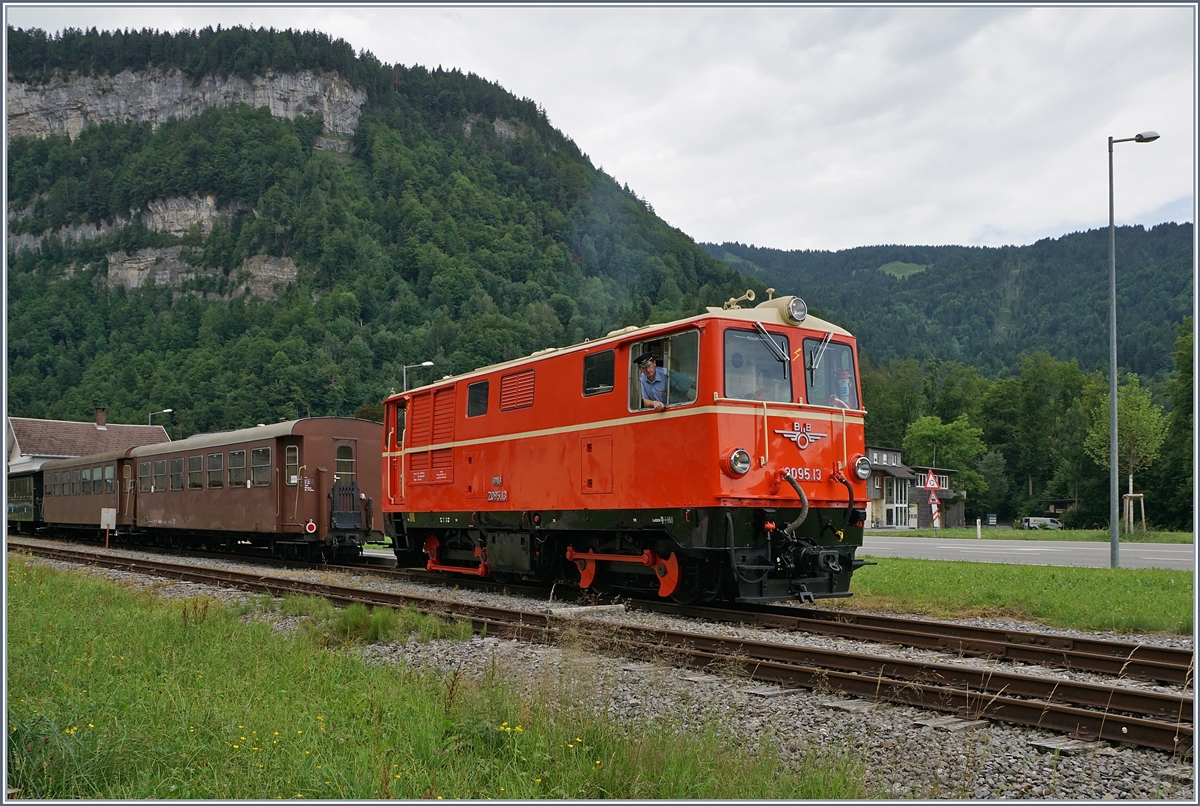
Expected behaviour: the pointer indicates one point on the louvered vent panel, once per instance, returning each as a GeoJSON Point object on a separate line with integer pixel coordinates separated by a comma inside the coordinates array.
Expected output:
{"type": "Point", "coordinates": [516, 390]}
{"type": "Point", "coordinates": [442, 459]}
{"type": "Point", "coordinates": [443, 416]}
{"type": "Point", "coordinates": [420, 415]}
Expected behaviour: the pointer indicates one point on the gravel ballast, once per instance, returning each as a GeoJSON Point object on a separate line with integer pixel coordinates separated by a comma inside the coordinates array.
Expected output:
{"type": "Point", "coordinates": [904, 758]}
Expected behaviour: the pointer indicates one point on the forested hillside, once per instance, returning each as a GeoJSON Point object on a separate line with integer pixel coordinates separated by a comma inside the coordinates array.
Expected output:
{"type": "Point", "coordinates": [245, 264]}
{"type": "Point", "coordinates": [987, 307]}
{"type": "Point", "coordinates": [461, 228]}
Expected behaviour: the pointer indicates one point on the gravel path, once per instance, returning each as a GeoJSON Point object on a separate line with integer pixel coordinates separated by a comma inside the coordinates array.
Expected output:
{"type": "Point", "coordinates": [904, 758]}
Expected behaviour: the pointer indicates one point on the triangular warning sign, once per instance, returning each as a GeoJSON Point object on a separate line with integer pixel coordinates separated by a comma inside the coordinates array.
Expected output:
{"type": "Point", "coordinates": [931, 482]}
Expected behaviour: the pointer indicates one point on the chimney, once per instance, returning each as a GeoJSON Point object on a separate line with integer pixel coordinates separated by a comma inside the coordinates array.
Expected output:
{"type": "Point", "coordinates": [101, 416]}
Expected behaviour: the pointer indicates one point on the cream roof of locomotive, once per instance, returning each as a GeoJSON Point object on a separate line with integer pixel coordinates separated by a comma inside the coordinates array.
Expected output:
{"type": "Point", "coordinates": [769, 313]}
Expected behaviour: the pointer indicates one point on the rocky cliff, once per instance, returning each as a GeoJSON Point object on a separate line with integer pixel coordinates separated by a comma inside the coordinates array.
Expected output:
{"type": "Point", "coordinates": [67, 106]}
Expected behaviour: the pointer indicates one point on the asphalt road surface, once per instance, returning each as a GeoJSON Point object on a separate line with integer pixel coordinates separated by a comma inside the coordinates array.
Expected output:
{"type": "Point", "coordinates": [1032, 552]}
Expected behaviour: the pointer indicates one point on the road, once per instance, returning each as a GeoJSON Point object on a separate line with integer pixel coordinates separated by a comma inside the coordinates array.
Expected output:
{"type": "Point", "coordinates": [1032, 552]}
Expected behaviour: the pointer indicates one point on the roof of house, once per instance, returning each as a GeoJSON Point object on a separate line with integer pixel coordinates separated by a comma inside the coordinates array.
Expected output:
{"type": "Point", "coordinates": [63, 438]}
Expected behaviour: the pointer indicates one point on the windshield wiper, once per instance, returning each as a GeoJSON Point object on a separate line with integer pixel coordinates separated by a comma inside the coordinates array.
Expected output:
{"type": "Point", "coordinates": [773, 346]}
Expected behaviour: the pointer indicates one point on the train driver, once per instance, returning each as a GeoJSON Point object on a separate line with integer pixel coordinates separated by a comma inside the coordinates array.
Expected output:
{"type": "Point", "coordinates": [656, 381]}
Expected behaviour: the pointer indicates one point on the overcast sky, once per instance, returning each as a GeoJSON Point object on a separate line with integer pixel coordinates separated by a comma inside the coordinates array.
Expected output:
{"type": "Point", "coordinates": [815, 128]}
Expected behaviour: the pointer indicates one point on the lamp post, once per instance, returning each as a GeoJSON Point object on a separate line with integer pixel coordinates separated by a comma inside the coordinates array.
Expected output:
{"type": "Point", "coordinates": [149, 420]}
{"type": "Point", "coordinates": [1113, 483]}
{"type": "Point", "coordinates": [410, 366]}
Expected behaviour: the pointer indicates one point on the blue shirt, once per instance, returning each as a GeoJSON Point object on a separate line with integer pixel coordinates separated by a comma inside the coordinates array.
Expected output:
{"type": "Point", "coordinates": [654, 389]}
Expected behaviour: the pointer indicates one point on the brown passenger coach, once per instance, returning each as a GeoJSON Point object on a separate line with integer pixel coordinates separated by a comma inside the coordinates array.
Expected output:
{"type": "Point", "coordinates": [298, 488]}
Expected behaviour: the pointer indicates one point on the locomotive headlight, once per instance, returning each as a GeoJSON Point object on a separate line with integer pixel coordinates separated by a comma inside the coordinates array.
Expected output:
{"type": "Point", "coordinates": [797, 309]}
{"type": "Point", "coordinates": [862, 467]}
{"type": "Point", "coordinates": [739, 462]}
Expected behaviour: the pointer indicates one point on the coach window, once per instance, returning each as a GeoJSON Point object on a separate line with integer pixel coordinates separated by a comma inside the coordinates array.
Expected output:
{"type": "Point", "coordinates": [143, 477]}
{"type": "Point", "coordinates": [127, 476]}
{"type": "Point", "coordinates": [291, 461]}
{"type": "Point", "coordinates": [160, 476]}
{"type": "Point", "coordinates": [54, 484]}
{"type": "Point", "coordinates": [87, 481]}
{"type": "Point", "coordinates": [829, 370]}
{"type": "Point", "coordinates": [679, 358]}
{"type": "Point", "coordinates": [345, 465]}
{"type": "Point", "coordinates": [237, 468]}
{"type": "Point", "coordinates": [110, 478]}
{"type": "Point", "coordinates": [599, 372]}
{"type": "Point", "coordinates": [97, 481]}
{"type": "Point", "coordinates": [477, 399]}
{"type": "Point", "coordinates": [260, 467]}
{"type": "Point", "coordinates": [216, 468]}
{"type": "Point", "coordinates": [754, 370]}
{"type": "Point", "coordinates": [177, 473]}
{"type": "Point", "coordinates": [196, 472]}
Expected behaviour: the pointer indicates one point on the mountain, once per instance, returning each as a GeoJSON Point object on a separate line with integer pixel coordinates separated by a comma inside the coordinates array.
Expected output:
{"type": "Point", "coordinates": [990, 306]}
{"type": "Point", "coordinates": [248, 225]}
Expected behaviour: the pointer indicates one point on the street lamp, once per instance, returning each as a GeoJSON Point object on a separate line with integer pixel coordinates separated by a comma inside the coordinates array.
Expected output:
{"type": "Point", "coordinates": [151, 417]}
{"type": "Point", "coordinates": [1113, 483]}
{"type": "Point", "coordinates": [410, 366]}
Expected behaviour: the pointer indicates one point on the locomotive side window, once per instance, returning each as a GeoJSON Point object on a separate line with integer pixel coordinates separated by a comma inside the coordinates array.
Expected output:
{"type": "Point", "coordinates": [345, 465]}
{"type": "Point", "coordinates": [599, 372]}
{"type": "Point", "coordinates": [216, 467]}
{"type": "Point", "coordinates": [291, 474]}
{"type": "Point", "coordinates": [177, 473]}
{"type": "Point", "coordinates": [237, 468]}
{"type": "Point", "coordinates": [829, 370]}
{"type": "Point", "coordinates": [110, 480]}
{"type": "Point", "coordinates": [477, 399]}
{"type": "Point", "coordinates": [400, 418]}
{"type": "Point", "coordinates": [143, 477]}
{"type": "Point", "coordinates": [195, 472]}
{"type": "Point", "coordinates": [677, 362]}
{"type": "Point", "coordinates": [260, 467]}
{"type": "Point", "coordinates": [160, 476]}
{"type": "Point", "coordinates": [753, 370]}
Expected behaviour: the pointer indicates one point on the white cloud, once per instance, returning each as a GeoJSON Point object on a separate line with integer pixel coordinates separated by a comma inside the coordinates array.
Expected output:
{"type": "Point", "coordinates": [816, 128]}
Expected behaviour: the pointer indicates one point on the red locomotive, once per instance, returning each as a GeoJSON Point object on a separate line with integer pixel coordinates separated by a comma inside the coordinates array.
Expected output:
{"type": "Point", "coordinates": [296, 488]}
{"type": "Point", "coordinates": [718, 457]}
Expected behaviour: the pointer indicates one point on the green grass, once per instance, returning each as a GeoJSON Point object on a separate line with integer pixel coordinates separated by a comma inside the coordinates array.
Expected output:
{"type": "Point", "coordinates": [1122, 600]}
{"type": "Point", "coordinates": [116, 694]}
{"type": "Point", "coordinates": [900, 269]}
{"type": "Point", "coordinates": [1083, 535]}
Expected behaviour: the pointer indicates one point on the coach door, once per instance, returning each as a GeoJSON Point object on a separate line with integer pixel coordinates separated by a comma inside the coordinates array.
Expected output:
{"type": "Point", "coordinates": [291, 473]}
{"type": "Point", "coordinates": [346, 512]}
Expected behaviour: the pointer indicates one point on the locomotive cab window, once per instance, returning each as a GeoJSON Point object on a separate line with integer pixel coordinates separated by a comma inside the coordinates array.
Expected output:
{"type": "Point", "coordinates": [599, 372]}
{"type": "Point", "coordinates": [676, 365]}
{"type": "Point", "coordinates": [830, 376]}
{"type": "Point", "coordinates": [345, 465]}
{"type": "Point", "coordinates": [754, 370]}
{"type": "Point", "coordinates": [477, 399]}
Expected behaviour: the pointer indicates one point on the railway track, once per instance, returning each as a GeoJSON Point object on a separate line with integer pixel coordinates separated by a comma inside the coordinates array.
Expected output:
{"type": "Point", "coordinates": [1166, 665]}
{"type": "Point", "coordinates": [1113, 712]}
